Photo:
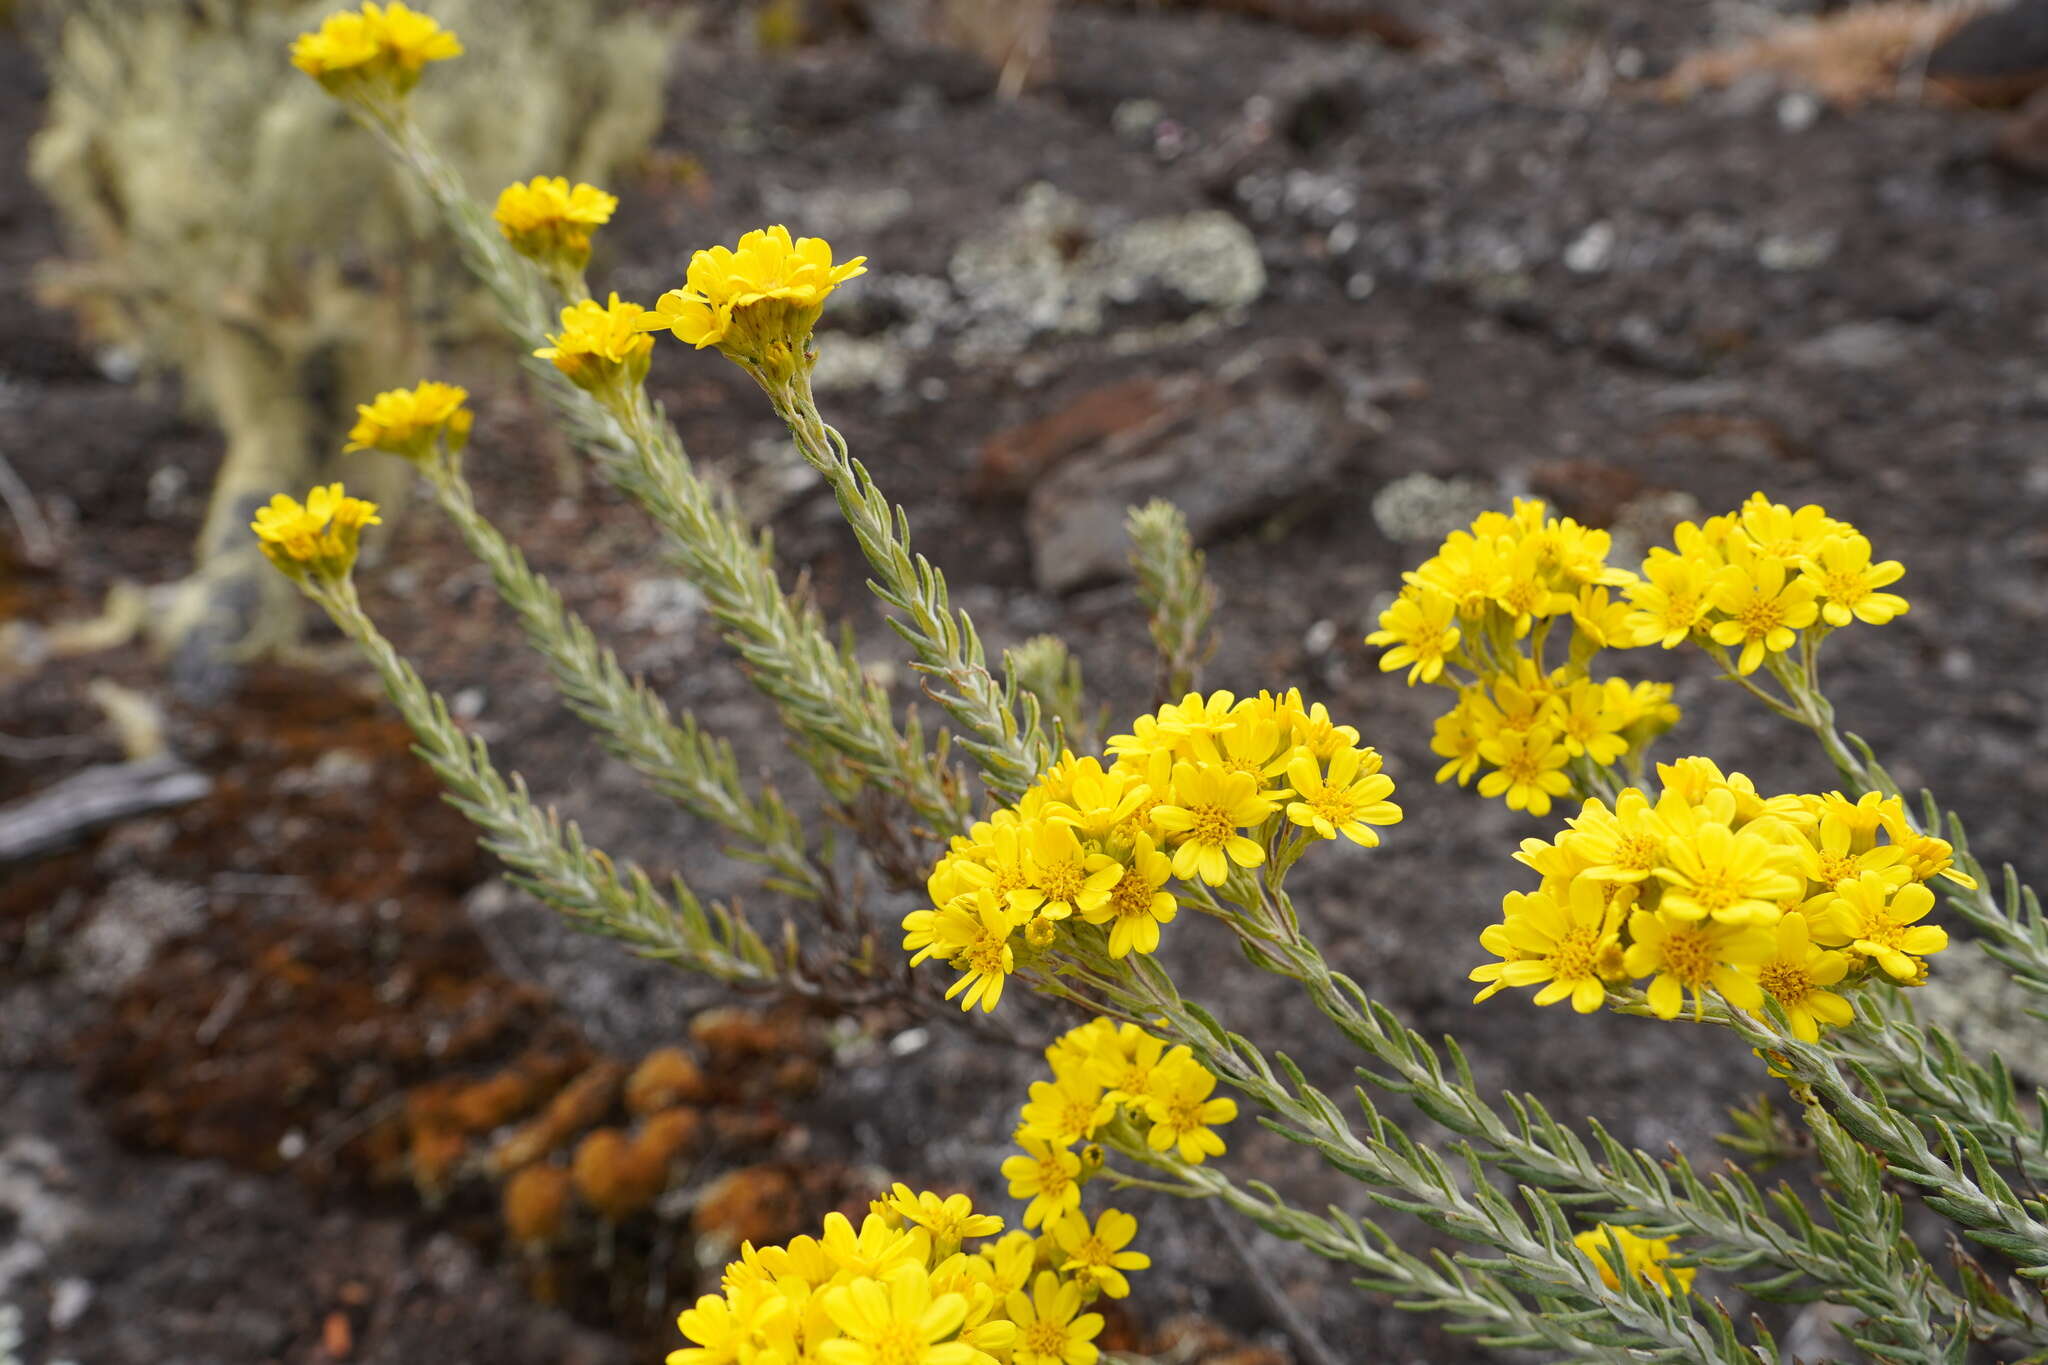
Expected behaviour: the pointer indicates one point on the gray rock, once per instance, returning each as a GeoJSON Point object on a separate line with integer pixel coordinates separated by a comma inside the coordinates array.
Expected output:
{"type": "Point", "coordinates": [1974, 997]}
{"type": "Point", "coordinates": [1236, 453]}
{"type": "Point", "coordinates": [1419, 509]}
{"type": "Point", "coordinates": [1856, 346]}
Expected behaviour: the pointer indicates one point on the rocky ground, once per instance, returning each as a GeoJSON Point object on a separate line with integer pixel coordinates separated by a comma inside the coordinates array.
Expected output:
{"type": "Point", "coordinates": [1324, 292]}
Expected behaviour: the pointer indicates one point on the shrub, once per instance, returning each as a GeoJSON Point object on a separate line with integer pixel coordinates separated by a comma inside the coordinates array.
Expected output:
{"type": "Point", "coordinates": [1796, 920]}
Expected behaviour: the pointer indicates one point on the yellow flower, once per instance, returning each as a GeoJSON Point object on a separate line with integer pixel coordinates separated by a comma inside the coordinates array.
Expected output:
{"type": "Point", "coordinates": [406, 422]}
{"type": "Point", "coordinates": [1826, 857]}
{"type": "Point", "coordinates": [1592, 719]}
{"type": "Point", "coordinates": [1349, 800]}
{"type": "Point", "coordinates": [1764, 608]}
{"type": "Point", "coordinates": [983, 953]}
{"type": "Point", "coordinates": [1312, 727]}
{"type": "Point", "coordinates": [1048, 1330]}
{"type": "Point", "coordinates": [1877, 921]}
{"type": "Point", "coordinates": [1071, 1052]}
{"type": "Point", "coordinates": [1182, 1113]}
{"type": "Point", "coordinates": [1527, 768]}
{"type": "Point", "coordinates": [723, 1325]}
{"type": "Point", "coordinates": [1097, 1254]}
{"type": "Point", "coordinates": [1422, 629]}
{"type": "Point", "coordinates": [316, 539]}
{"type": "Point", "coordinates": [1066, 1110]}
{"type": "Point", "coordinates": [1695, 955]}
{"type": "Point", "coordinates": [896, 1321]}
{"type": "Point", "coordinates": [1123, 1059]}
{"type": "Point", "coordinates": [1622, 845]}
{"type": "Point", "coordinates": [1736, 876]}
{"type": "Point", "coordinates": [1256, 741]}
{"type": "Point", "coordinates": [602, 346]}
{"type": "Point", "coordinates": [1047, 1175]}
{"type": "Point", "coordinates": [1651, 711]}
{"type": "Point", "coordinates": [380, 49]}
{"type": "Point", "coordinates": [1848, 582]}
{"type": "Point", "coordinates": [1207, 810]}
{"type": "Point", "coordinates": [877, 1249]}
{"type": "Point", "coordinates": [1524, 592]}
{"type": "Point", "coordinates": [1064, 875]}
{"type": "Point", "coordinates": [1010, 1261]}
{"type": "Point", "coordinates": [1925, 857]}
{"type": "Point", "coordinates": [1797, 976]}
{"type": "Point", "coordinates": [1466, 568]}
{"type": "Point", "coordinates": [1562, 946]}
{"type": "Point", "coordinates": [948, 1218]}
{"type": "Point", "coordinates": [757, 303]}
{"type": "Point", "coordinates": [1138, 904]}
{"type": "Point", "coordinates": [1568, 551]}
{"type": "Point", "coordinates": [1097, 801]}
{"type": "Point", "coordinates": [1782, 534]}
{"type": "Point", "coordinates": [1864, 817]}
{"type": "Point", "coordinates": [1643, 1257]}
{"type": "Point", "coordinates": [1602, 620]}
{"type": "Point", "coordinates": [549, 220]}
{"type": "Point", "coordinates": [1457, 737]}
{"type": "Point", "coordinates": [1194, 718]}
{"type": "Point", "coordinates": [1672, 599]}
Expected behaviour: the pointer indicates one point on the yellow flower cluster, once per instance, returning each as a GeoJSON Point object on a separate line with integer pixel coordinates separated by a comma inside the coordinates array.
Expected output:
{"type": "Point", "coordinates": [1752, 579]}
{"type": "Point", "coordinates": [408, 422]}
{"type": "Point", "coordinates": [900, 1290]}
{"type": "Point", "coordinates": [1712, 887]}
{"type": "Point", "coordinates": [1091, 851]}
{"type": "Point", "coordinates": [1104, 1073]}
{"type": "Point", "coordinates": [1645, 1258]}
{"type": "Point", "coordinates": [317, 538]}
{"type": "Point", "coordinates": [603, 347]}
{"type": "Point", "coordinates": [756, 303]}
{"type": "Point", "coordinates": [1479, 614]}
{"type": "Point", "coordinates": [550, 220]}
{"type": "Point", "coordinates": [379, 49]}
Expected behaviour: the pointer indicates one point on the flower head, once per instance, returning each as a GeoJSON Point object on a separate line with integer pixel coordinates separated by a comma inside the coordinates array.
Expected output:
{"type": "Point", "coordinates": [758, 302]}
{"type": "Point", "coordinates": [895, 1321]}
{"type": "Point", "coordinates": [602, 346]}
{"type": "Point", "coordinates": [948, 1218]}
{"type": "Point", "coordinates": [315, 539]}
{"type": "Point", "coordinates": [1051, 1329]}
{"type": "Point", "coordinates": [1643, 1257]}
{"type": "Point", "coordinates": [1797, 975]}
{"type": "Point", "coordinates": [407, 422]}
{"type": "Point", "coordinates": [1695, 956]}
{"type": "Point", "coordinates": [549, 220]}
{"type": "Point", "coordinates": [1528, 768]}
{"type": "Point", "coordinates": [1349, 799]}
{"type": "Point", "coordinates": [1183, 1115]}
{"type": "Point", "coordinates": [380, 49]}
{"type": "Point", "coordinates": [1047, 1175]}
{"type": "Point", "coordinates": [1872, 918]}
{"type": "Point", "coordinates": [1562, 947]}
{"type": "Point", "coordinates": [1138, 903]}
{"type": "Point", "coordinates": [1097, 1253]}
{"type": "Point", "coordinates": [1421, 631]}
{"type": "Point", "coordinates": [1207, 810]}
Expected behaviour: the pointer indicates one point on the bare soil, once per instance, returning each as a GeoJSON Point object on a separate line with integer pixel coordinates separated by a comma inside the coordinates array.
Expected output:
{"type": "Point", "coordinates": [1528, 274]}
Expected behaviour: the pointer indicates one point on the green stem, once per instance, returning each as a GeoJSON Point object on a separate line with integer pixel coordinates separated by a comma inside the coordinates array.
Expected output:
{"type": "Point", "coordinates": [842, 724]}
{"type": "Point", "coordinates": [695, 769]}
{"type": "Point", "coordinates": [947, 647]}
{"type": "Point", "coordinates": [545, 856]}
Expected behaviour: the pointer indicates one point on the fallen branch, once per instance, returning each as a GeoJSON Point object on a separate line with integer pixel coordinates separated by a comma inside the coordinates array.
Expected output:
{"type": "Point", "coordinates": [97, 796]}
